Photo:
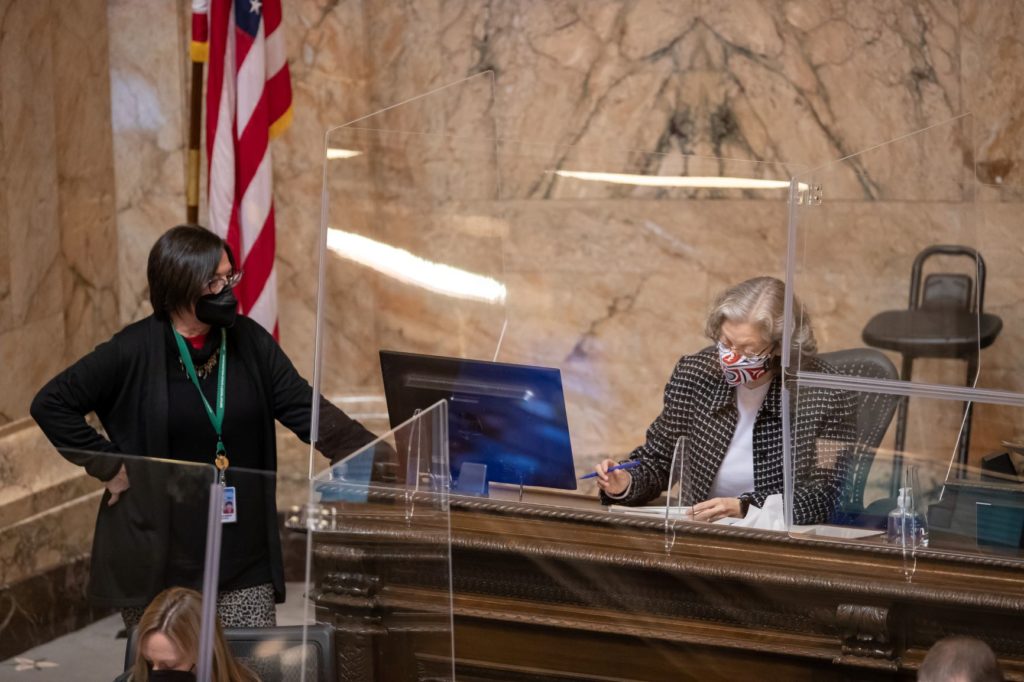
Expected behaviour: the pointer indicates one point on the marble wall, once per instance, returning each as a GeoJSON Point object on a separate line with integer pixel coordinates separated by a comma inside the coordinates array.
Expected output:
{"type": "Point", "coordinates": [47, 508]}
{"type": "Point", "coordinates": [611, 284]}
{"type": "Point", "coordinates": [57, 289]}
{"type": "Point", "coordinates": [149, 112]}
{"type": "Point", "coordinates": [608, 283]}
{"type": "Point", "coordinates": [58, 293]}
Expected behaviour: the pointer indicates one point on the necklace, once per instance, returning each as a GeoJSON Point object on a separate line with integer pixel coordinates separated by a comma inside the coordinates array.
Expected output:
{"type": "Point", "coordinates": [204, 370]}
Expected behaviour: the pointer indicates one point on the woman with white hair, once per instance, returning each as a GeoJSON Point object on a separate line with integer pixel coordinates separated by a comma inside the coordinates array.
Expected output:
{"type": "Point", "coordinates": [726, 401]}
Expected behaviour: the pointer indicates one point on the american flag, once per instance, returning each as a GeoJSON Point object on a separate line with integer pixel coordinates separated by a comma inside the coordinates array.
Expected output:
{"type": "Point", "coordinates": [248, 103]}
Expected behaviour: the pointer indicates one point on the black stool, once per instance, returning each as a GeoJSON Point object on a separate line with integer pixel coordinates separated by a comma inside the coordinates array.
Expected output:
{"type": "Point", "coordinates": [941, 322]}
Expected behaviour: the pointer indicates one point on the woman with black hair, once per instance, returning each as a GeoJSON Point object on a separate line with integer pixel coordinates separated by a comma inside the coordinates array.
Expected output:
{"type": "Point", "coordinates": [193, 382]}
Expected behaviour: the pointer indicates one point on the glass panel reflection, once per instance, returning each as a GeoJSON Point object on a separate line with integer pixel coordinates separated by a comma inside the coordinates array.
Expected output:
{"type": "Point", "coordinates": [379, 551]}
{"type": "Point", "coordinates": [605, 272]}
{"type": "Point", "coordinates": [120, 541]}
{"type": "Point", "coordinates": [929, 501]}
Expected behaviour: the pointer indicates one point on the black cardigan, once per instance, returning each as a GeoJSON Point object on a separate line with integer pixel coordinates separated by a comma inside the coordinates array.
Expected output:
{"type": "Point", "coordinates": [701, 406]}
{"type": "Point", "coordinates": [124, 380]}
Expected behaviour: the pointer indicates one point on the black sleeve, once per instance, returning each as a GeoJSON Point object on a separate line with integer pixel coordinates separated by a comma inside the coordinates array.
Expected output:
{"type": "Point", "coordinates": [651, 478]}
{"type": "Point", "coordinates": [292, 395]}
{"type": "Point", "coordinates": [61, 405]}
{"type": "Point", "coordinates": [821, 470]}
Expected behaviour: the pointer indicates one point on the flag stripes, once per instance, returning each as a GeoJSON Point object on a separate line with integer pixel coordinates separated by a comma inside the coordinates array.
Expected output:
{"type": "Point", "coordinates": [248, 103]}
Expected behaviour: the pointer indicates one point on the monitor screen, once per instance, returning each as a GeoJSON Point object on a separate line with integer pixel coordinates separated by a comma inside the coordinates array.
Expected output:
{"type": "Point", "coordinates": [510, 418]}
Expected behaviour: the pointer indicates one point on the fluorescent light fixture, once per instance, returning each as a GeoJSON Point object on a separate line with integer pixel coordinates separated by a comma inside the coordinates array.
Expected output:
{"type": "Point", "coordinates": [333, 153]}
{"type": "Point", "coordinates": [410, 269]}
{"type": "Point", "coordinates": [694, 182]}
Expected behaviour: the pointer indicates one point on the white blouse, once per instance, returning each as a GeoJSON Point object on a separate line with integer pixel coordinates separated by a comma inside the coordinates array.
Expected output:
{"type": "Point", "coordinates": [736, 475]}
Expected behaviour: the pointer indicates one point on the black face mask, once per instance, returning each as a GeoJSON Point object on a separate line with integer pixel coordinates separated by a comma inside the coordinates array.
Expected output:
{"type": "Point", "coordinates": [218, 310]}
{"type": "Point", "coordinates": [172, 676]}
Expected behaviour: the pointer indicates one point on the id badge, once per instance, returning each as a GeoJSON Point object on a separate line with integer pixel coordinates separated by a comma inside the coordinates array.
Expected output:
{"type": "Point", "coordinates": [229, 514]}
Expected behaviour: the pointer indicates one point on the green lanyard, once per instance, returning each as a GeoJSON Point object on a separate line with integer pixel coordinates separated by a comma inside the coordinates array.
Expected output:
{"type": "Point", "coordinates": [216, 418]}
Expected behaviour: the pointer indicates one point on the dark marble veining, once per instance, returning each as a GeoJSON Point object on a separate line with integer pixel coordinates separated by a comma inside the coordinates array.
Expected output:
{"type": "Point", "coordinates": [44, 607]}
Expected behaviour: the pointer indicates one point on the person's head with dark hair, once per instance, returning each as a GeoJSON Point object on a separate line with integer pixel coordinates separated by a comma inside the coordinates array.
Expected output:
{"type": "Point", "coordinates": [184, 265]}
{"type": "Point", "coordinates": [960, 659]}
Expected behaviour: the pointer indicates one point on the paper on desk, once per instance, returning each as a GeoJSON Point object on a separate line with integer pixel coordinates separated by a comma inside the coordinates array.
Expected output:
{"type": "Point", "coordinates": [768, 517]}
{"type": "Point", "coordinates": [658, 511]}
{"type": "Point", "coordinates": [835, 532]}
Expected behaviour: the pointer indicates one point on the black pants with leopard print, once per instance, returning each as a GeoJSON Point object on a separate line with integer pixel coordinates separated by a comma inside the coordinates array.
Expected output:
{"type": "Point", "coordinates": [249, 607]}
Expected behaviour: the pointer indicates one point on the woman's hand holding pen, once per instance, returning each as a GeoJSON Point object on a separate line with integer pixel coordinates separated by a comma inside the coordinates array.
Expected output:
{"type": "Point", "coordinates": [612, 482]}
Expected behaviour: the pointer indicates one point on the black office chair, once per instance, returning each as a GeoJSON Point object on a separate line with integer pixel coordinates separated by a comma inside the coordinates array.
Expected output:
{"type": "Point", "coordinates": [944, 320]}
{"type": "Point", "coordinates": [275, 654]}
{"type": "Point", "coordinates": [874, 413]}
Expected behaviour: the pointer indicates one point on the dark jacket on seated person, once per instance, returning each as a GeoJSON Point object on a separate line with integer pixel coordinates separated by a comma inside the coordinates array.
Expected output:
{"type": "Point", "coordinates": [701, 406]}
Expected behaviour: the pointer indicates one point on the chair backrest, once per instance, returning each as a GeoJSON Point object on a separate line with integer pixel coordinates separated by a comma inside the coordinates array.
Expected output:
{"type": "Point", "coordinates": [874, 413]}
{"type": "Point", "coordinates": [275, 654]}
{"type": "Point", "coordinates": [944, 289]}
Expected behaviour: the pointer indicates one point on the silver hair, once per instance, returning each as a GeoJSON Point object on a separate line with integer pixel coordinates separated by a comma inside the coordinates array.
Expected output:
{"type": "Point", "coordinates": [761, 301]}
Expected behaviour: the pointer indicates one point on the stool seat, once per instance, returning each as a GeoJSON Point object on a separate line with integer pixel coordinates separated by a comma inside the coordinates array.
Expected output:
{"type": "Point", "coordinates": [939, 322]}
{"type": "Point", "coordinates": [932, 332]}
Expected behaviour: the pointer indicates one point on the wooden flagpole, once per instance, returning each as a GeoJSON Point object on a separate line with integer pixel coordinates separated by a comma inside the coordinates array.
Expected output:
{"type": "Point", "coordinates": [194, 156]}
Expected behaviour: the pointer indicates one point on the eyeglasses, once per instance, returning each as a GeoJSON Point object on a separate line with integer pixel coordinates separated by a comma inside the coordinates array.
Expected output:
{"type": "Point", "coordinates": [745, 352]}
{"type": "Point", "coordinates": [221, 282]}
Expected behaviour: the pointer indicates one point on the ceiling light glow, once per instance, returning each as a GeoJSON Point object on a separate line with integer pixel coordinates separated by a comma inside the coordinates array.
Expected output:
{"type": "Point", "coordinates": [334, 153]}
{"type": "Point", "coordinates": [692, 182]}
{"type": "Point", "coordinates": [410, 269]}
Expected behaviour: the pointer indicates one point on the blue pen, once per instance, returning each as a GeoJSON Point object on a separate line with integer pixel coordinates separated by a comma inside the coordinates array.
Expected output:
{"type": "Point", "coordinates": [628, 465]}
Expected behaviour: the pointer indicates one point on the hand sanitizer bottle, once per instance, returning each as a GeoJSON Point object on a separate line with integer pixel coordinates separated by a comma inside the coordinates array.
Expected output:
{"type": "Point", "coordinates": [906, 527]}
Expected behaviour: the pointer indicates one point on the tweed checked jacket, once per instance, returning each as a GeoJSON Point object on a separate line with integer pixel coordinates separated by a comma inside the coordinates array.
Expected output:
{"type": "Point", "coordinates": [702, 407]}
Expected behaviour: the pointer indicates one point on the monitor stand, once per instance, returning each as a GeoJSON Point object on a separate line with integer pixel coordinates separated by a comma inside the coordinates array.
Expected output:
{"type": "Point", "coordinates": [473, 480]}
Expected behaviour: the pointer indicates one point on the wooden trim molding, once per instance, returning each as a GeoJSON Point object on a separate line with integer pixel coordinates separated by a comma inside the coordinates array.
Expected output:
{"type": "Point", "coordinates": [545, 580]}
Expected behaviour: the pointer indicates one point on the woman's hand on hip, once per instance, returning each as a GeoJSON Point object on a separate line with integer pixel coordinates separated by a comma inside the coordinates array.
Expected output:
{"type": "Point", "coordinates": [614, 483]}
{"type": "Point", "coordinates": [716, 508]}
{"type": "Point", "coordinates": [117, 485]}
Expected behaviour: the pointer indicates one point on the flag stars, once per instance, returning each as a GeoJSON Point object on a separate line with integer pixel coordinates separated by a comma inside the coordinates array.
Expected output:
{"type": "Point", "coordinates": [254, 6]}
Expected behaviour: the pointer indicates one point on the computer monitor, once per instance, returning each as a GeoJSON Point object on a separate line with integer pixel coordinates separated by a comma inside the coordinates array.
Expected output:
{"type": "Point", "coordinates": [977, 514]}
{"type": "Point", "coordinates": [510, 418]}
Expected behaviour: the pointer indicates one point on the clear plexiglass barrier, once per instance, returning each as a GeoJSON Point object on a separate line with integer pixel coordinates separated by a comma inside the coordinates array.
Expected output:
{"type": "Point", "coordinates": [545, 292]}
{"type": "Point", "coordinates": [260, 590]}
{"type": "Point", "coordinates": [116, 547]}
{"type": "Point", "coordinates": [443, 238]}
{"type": "Point", "coordinates": [379, 557]}
{"type": "Point", "coordinates": [904, 414]}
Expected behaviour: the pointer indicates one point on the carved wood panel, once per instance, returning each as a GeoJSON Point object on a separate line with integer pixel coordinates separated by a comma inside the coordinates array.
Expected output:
{"type": "Point", "coordinates": [556, 596]}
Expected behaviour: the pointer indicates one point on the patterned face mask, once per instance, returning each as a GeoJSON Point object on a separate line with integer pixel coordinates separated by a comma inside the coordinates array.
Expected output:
{"type": "Point", "coordinates": [740, 369]}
